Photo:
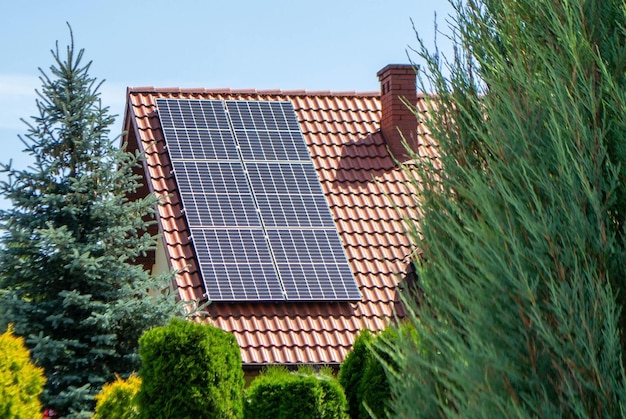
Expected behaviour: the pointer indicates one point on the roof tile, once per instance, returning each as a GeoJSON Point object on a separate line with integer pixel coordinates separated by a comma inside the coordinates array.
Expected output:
{"type": "Point", "coordinates": [363, 188]}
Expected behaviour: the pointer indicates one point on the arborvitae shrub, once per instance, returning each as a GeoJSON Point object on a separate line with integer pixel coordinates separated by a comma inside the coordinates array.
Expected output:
{"type": "Point", "coordinates": [190, 370]}
{"type": "Point", "coordinates": [280, 394]}
{"type": "Point", "coordinates": [363, 373]}
{"type": "Point", "coordinates": [21, 382]}
{"type": "Point", "coordinates": [352, 369]}
{"type": "Point", "coordinates": [334, 403]}
{"type": "Point", "coordinates": [118, 400]}
{"type": "Point", "coordinates": [373, 390]}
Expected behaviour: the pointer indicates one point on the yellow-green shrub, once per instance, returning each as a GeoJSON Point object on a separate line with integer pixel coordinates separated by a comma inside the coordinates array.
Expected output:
{"type": "Point", "coordinates": [21, 382]}
{"type": "Point", "coordinates": [118, 400]}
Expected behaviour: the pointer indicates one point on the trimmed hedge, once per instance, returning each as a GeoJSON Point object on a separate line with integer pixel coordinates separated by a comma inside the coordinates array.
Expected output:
{"type": "Point", "coordinates": [280, 394]}
{"type": "Point", "coordinates": [190, 370]}
{"type": "Point", "coordinates": [118, 400]}
{"type": "Point", "coordinates": [21, 382]}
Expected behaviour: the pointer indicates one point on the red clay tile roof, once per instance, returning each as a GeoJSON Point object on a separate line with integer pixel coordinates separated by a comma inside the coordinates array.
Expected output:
{"type": "Point", "coordinates": [367, 195]}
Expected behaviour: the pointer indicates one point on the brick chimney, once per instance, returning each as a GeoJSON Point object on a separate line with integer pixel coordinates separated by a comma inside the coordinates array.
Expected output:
{"type": "Point", "coordinates": [398, 83]}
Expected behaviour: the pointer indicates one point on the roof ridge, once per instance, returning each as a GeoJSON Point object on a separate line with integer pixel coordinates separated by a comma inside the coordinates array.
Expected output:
{"type": "Point", "coordinates": [277, 92]}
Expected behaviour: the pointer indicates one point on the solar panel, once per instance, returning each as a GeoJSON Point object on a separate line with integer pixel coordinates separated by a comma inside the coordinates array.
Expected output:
{"type": "Point", "coordinates": [193, 114]}
{"type": "Point", "coordinates": [267, 131]}
{"type": "Point", "coordinates": [312, 265]}
{"type": "Point", "coordinates": [289, 195]}
{"type": "Point", "coordinates": [215, 194]}
{"type": "Point", "coordinates": [259, 220]}
{"type": "Point", "coordinates": [236, 264]}
{"type": "Point", "coordinates": [196, 144]}
{"type": "Point", "coordinates": [197, 129]}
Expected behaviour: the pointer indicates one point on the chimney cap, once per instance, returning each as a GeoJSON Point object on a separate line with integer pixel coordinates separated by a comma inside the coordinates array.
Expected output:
{"type": "Point", "coordinates": [397, 68]}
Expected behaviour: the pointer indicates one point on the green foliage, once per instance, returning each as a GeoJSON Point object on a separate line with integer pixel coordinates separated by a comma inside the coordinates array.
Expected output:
{"type": "Point", "coordinates": [333, 403]}
{"type": "Point", "coordinates": [522, 230]}
{"type": "Point", "coordinates": [352, 370]}
{"type": "Point", "coordinates": [363, 374]}
{"type": "Point", "coordinates": [69, 274]}
{"type": "Point", "coordinates": [21, 382]}
{"type": "Point", "coordinates": [374, 389]}
{"type": "Point", "coordinates": [190, 370]}
{"type": "Point", "coordinates": [118, 399]}
{"type": "Point", "coordinates": [280, 394]}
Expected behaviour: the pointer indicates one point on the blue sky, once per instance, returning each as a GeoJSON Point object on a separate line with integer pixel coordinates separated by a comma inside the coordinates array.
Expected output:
{"type": "Point", "coordinates": [288, 44]}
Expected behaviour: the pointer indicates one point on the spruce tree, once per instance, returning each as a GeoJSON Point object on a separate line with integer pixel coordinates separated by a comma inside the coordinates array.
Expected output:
{"type": "Point", "coordinates": [522, 232]}
{"type": "Point", "coordinates": [69, 278]}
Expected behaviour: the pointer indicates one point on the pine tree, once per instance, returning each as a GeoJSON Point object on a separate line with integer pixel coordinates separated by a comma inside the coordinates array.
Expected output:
{"type": "Point", "coordinates": [69, 277]}
{"type": "Point", "coordinates": [522, 230]}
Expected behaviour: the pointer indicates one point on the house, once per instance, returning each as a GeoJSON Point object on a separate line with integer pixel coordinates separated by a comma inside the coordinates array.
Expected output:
{"type": "Point", "coordinates": [349, 137]}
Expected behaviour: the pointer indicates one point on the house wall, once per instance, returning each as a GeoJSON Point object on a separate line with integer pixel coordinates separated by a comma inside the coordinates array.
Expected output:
{"type": "Point", "coordinates": [160, 265]}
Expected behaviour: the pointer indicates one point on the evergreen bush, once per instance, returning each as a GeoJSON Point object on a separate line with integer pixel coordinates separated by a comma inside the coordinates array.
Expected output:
{"type": "Point", "coordinates": [118, 399]}
{"type": "Point", "coordinates": [21, 382]}
{"type": "Point", "coordinates": [363, 373]}
{"type": "Point", "coordinates": [190, 370]}
{"type": "Point", "coordinates": [522, 216]}
{"type": "Point", "coordinates": [352, 370]}
{"type": "Point", "coordinates": [280, 394]}
{"type": "Point", "coordinates": [333, 403]}
{"type": "Point", "coordinates": [374, 391]}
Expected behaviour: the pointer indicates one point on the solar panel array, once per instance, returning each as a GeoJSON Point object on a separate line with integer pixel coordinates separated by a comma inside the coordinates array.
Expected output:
{"type": "Point", "coordinates": [259, 221]}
